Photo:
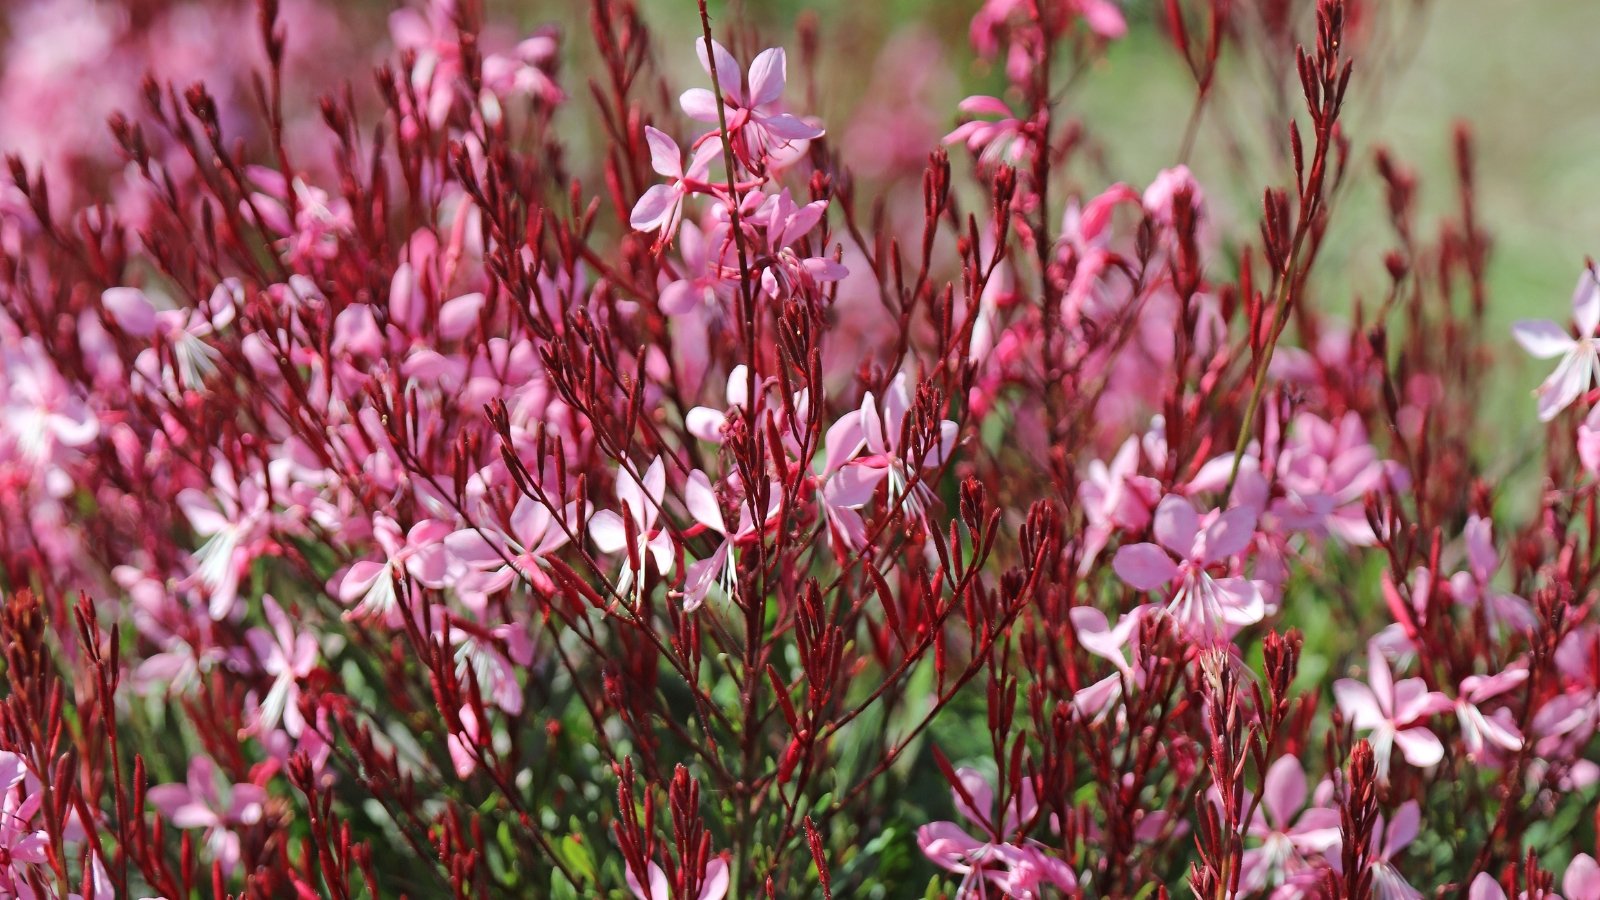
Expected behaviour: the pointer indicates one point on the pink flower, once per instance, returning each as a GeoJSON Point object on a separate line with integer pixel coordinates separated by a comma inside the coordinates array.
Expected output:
{"type": "Point", "coordinates": [45, 419]}
{"type": "Point", "coordinates": [1004, 138]}
{"type": "Point", "coordinates": [499, 558]}
{"type": "Point", "coordinates": [1589, 442]}
{"type": "Point", "coordinates": [713, 884]}
{"type": "Point", "coordinates": [1289, 837]}
{"type": "Point", "coordinates": [1394, 713]}
{"type": "Point", "coordinates": [1114, 497]}
{"type": "Point", "coordinates": [1325, 472]}
{"type": "Point", "coordinates": [1580, 360]}
{"type": "Point", "coordinates": [1206, 608]}
{"type": "Point", "coordinates": [525, 70]}
{"type": "Point", "coordinates": [719, 567]}
{"type": "Point", "coordinates": [706, 423]}
{"type": "Point", "coordinates": [1096, 635]}
{"type": "Point", "coordinates": [994, 861]}
{"type": "Point", "coordinates": [1582, 881]}
{"type": "Point", "coordinates": [201, 804]}
{"type": "Point", "coordinates": [754, 121]}
{"type": "Point", "coordinates": [1387, 843]}
{"type": "Point", "coordinates": [1475, 586]}
{"type": "Point", "coordinates": [710, 270]}
{"type": "Point", "coordinates": [320, 220]}
{"type": "Point", "coordinates": [1479, 729]}
{"type": "Point", "coordinates": [233, 517]}
{"type": "Point", "coordinates": [287, 658]}
{"type": "Point", "coordinates": [370, 583]}
{"type": "Point", "coordinates": [786, 223]}
{"type": "Point", "coordinates": [660, 208]}
{"type": "Point", "coordinates": [479, 652]}
{"type": "Point", "coordinates": [20, 844]}
{"type": "Point", "coordinates": [881, 433]}
{"type": "Point", "coordinates": [641, 503]}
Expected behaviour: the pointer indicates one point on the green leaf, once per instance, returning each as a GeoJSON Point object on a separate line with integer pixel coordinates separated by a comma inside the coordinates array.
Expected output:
{"type": "Point", "coordinates": [561, 888]}
{"type": "Point", "coordinates": [576, 855]}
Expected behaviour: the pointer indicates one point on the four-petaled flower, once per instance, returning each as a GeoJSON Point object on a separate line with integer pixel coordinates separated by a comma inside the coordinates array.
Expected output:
{"type": "Point", "coordinates": [1395, 712]}
{"type": "Point", "coordinates": [641, 502]}
{"type": "Point", "coordinates": [660, 208]}
{"type": "Point", "coordinates": [1580, 358]}
{"type": "Point", "coordinates": [755, 125]}
{"type": "Point", "coordinates": [1206, 608]}
{"type": "Point", "coordinates": [200, 803]}
{"type": "Point", "coordinates": [1001, 858]}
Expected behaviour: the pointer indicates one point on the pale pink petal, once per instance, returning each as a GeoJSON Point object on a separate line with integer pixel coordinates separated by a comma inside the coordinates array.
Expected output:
{"type": "Point", "coordinates": [715, 884]}
{"type": "Point", "coordinates": [1421, 747]}
{"type": "Point", "coordinates": [705, 423]}
{"type": "Point", "coordinates": [728, 71]}
{"type": "Point", "coordinates": [658, 889]}
{"type": "Point", "coordinates": [1586, 303]}
{"type": "Point", "coordinates": [1144, 566]}
{"type": "Point", "coordinates": [1358, 704]}
{"type": "Point", "coordinates": [853, 485]}
{"type": "Point", "coordinates": [665, 157]}
{"type": "Point", "coordinates": [977, 788]}
{"type": "Point", "coordinates": [131, 310]}
{"type": "Point", "coordinates": [1283, 791]}
{"type": "Point", "coordinates": [1403, 828]}
{"type": "Point", "coordinates": [981, 105]}
{"type": "Point", "coordinates": [790, 128]}
{"type": "Point", "coordinates": [680, 297]}
{"type": "Point", "coordinates": [608, 532]}
{"type": "Point", "coordinates": [946, 845]}
{"type": "Point", "coordinates": [1242, 603]}
{"type": "Point", "coordinates": [767, 75]}
{"type": "Point", "coordinates": [843, 441]}
{"type": "Point", "coordinates": [1582, 881]}
{"type": "Point", "coordinates": [1176, 524]}
{"type": "Point", "coordinates": [1104, 18]}
{"type": "Point", "coordinates": [701, 500]}
{"type": "Point", "coordinates": [1484, 887]}
{"type": "Point", "coordinates": [457, 317]}
{"type": "Point", "coordinates": [700, 576]}
{"type": "Point", "coordinates": [654, 209]}
{"type": "Point", "coordinates": [358, 579]}
{"type": "Point", "coordinates": [700, 105]}
{"type": "Point", "coordinates": [1542, 337]}
{"type": "Point", "coordinates": [1229, 535]}
{"type": "Point", "coordinates": [1571, 378]}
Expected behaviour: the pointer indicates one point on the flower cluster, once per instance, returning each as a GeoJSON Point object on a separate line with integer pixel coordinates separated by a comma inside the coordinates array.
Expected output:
{"type": "Point", "coordinates": [473, 485]}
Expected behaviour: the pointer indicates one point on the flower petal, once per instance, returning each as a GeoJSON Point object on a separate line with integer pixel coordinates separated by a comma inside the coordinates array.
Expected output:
{"type": "Point", "coordinates": [1144, 566]}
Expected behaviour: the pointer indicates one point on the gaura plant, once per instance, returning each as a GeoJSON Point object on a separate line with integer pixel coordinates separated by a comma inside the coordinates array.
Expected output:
{"type": "Point", "coordinates": [526, 474]}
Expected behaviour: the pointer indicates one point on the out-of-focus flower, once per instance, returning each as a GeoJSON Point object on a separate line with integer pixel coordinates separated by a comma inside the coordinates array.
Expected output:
{"type": "Point", "coordinates": [713, 884]}
{"type": "Point", "coordinates": [202, 802]}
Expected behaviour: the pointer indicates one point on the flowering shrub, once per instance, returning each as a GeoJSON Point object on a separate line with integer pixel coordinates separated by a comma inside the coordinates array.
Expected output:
{"type": "Point", "coordinates": [519, 482]}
